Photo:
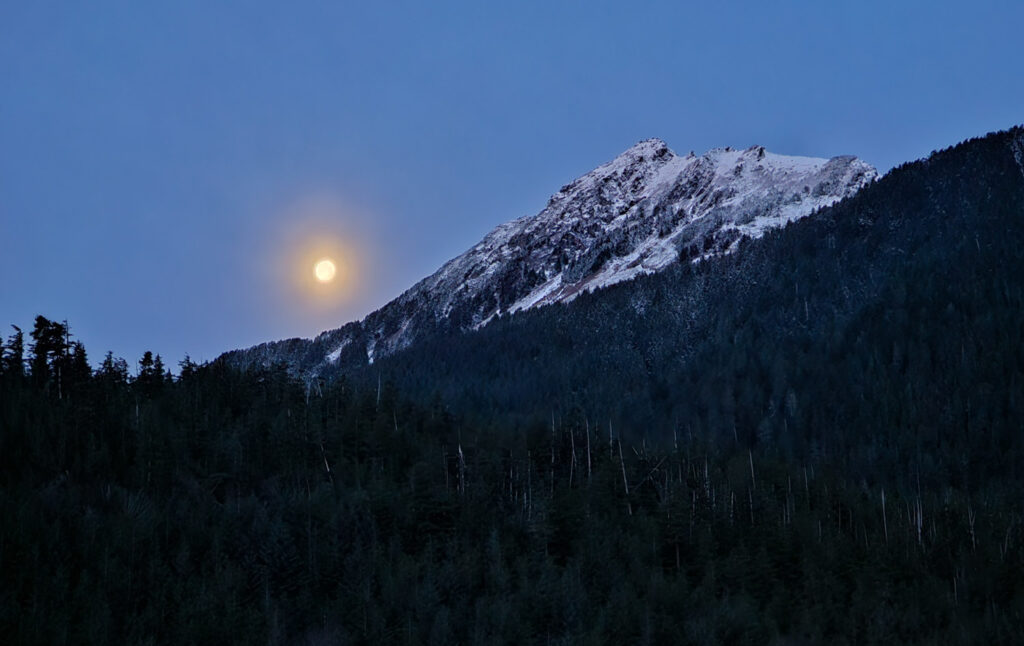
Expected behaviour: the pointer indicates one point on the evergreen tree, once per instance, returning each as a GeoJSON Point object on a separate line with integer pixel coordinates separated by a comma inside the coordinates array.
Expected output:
{"type": "Point", "coordinates": [151, 374]}
{"type": "Point", "coordinates": [187, 368]}
{"type": "Point", "coordinates": [49, 348]}
{"type": "Point", "coordinates": [113, 370]}
{"type": "Point", "coordinates": [14, 356]}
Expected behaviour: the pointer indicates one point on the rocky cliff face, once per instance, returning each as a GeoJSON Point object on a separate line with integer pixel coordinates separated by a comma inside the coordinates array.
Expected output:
{"type": "Point", "coordinates": [640, 212]}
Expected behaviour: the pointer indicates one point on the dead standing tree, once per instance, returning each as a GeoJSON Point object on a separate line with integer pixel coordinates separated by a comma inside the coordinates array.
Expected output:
{"type": "Point", "coordinates": [625, 482]}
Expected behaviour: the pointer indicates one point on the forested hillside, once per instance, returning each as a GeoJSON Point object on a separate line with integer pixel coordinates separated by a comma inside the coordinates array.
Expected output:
{"type": "Point", "coordinates": [221, 507]}
{"type": "Point", "coordinates": [817, 440]}
{"type": "Point", "coordinates": [884, 332]}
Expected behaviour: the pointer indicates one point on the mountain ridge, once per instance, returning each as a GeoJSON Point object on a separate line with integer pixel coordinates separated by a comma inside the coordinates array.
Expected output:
{"type": "Point", "coordinates": [636, 214]}
{"type": "Point", "coordinates": [916, 274]}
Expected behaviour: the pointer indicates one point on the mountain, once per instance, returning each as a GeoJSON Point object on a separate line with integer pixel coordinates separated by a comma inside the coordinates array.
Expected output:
{"type": "Point", "coordinates": [637, 214]}
{"type": "Point", "coordinates": [816, 439]}
{"type": "Point", "coordinates": [889, 324]}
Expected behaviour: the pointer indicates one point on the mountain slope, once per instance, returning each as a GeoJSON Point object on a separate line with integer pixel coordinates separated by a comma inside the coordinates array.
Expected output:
{"type": "Point", "coordinates": [890, 324]}
{"type": "Point", "coordinates": [635, 215]}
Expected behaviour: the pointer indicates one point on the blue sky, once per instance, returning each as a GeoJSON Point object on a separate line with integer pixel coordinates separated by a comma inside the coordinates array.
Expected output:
{"type": "Point", "coordinates": [159, 163]}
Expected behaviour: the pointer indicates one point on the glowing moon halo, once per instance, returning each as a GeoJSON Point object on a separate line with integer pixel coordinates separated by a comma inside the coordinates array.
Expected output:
{"type": "Point", "coordinates": [324, 270]}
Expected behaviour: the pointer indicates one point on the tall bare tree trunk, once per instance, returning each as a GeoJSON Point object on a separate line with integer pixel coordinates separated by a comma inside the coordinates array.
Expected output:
{"type": "Point", "coordinates": [572, 464]}
{"type": "Point", "coordinates": [625, 482]}
{"type": "Point", "coordinates": [529, 485]}
{"type": "Point", "coordinates": [885, 523]}
{"type": "Point", "coordinates": [462, 472]}
{"type": "Point", "coordinates": [588, 451]}
{"type": "Point", "coordinates": [552, 454]}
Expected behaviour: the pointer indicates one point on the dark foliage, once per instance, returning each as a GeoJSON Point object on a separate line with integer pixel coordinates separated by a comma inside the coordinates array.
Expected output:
{"type": "Point", "coordinates": [813, 441]}
{"type": "Point", "coordinates": [242, 508]}
{"type": "Point", "coordinates": [878, 333]}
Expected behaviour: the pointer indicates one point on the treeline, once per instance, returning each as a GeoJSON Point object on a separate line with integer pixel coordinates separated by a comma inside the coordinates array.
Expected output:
{"type": "Point", "coordinates": [229, 507]}
{"type": "Point", "coordinates": [814, 440]}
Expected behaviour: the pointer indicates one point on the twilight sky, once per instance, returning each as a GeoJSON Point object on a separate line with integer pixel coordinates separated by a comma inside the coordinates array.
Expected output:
{"type": "Point", "coordinates": [165, 169]}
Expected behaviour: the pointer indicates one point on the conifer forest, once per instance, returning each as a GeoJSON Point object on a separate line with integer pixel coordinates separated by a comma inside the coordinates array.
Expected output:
{"type": "Point", "coordinates": [815, 440]}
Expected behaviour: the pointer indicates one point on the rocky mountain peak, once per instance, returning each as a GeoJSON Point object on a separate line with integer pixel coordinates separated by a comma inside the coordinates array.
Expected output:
{"type": "Point", "coordinates": [636, 214]}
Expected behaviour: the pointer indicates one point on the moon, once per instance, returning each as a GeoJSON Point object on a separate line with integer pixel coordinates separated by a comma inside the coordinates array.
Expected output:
{"type": "Point", "coordinates": [324, 270]}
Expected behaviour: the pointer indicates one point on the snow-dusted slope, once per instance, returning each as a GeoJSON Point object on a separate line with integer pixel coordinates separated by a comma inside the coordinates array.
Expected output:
{"type": "Point", "coordinates": [636, 214]}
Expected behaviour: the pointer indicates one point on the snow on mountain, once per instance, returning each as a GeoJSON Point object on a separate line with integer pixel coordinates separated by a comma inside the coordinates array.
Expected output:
{"type": "Point", "coordinates": [636, 214]}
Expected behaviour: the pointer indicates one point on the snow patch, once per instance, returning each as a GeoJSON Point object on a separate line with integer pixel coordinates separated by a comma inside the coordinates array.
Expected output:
{"type": "Point", "coordinates": [1017, 144]}
{"type": "Point", "coordinates": [333, 356]}
{"type": "Point", "coordinates": [633, 215]}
